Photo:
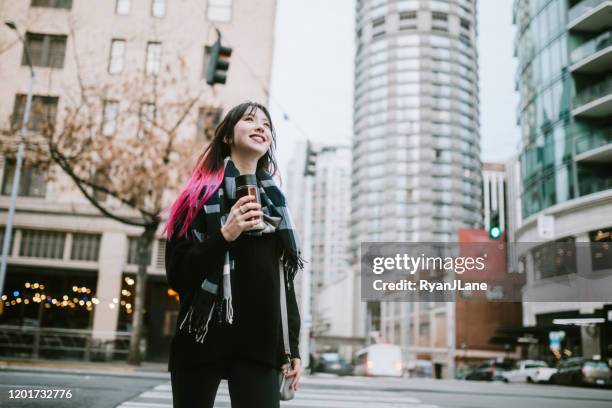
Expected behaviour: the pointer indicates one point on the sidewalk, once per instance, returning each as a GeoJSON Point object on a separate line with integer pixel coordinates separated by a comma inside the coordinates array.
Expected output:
{"type": "Point", "coordinates": [115, 368]}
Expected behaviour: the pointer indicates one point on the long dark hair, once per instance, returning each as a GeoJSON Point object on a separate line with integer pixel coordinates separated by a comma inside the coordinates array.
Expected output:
{"type": "Point", "coordinates": [209, 170]}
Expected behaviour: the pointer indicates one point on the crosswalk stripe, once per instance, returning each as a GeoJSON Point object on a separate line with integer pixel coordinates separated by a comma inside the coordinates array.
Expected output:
{"type": "Point", "coordinates": [160, 396]}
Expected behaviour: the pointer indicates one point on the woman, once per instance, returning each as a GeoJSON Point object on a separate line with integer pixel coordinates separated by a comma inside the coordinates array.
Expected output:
{"type": "Point", "coordinates": [227, 275]}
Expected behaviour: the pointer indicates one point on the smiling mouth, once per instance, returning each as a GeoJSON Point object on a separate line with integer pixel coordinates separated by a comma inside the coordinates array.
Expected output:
{"type": "Point", "coordinates": [258, 138]}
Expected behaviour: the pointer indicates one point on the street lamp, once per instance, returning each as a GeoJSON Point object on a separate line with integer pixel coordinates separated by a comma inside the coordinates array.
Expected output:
{"type": "Point", "coordinates": [8, 231]}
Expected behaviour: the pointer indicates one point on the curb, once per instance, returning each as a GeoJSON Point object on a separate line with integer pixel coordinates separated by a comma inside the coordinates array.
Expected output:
{"type": "Point", "coordinates": [80, 371]}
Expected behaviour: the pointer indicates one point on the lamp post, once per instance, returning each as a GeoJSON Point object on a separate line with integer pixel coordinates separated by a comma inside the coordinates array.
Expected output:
{"type": "Point", "coordinates": [8, 231]}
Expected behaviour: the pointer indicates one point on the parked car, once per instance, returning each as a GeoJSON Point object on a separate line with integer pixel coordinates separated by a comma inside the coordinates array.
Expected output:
{"type": "Point", "coordinates": [542, 375]}
{"type": "Point", "coordinates": [332, 363]}
{"type": "Point", "coordinates": [582, 371]}
{"type": "Point", "coordinates": [490, 370]}
{"type": "Point", "coordinates": [524, 371]}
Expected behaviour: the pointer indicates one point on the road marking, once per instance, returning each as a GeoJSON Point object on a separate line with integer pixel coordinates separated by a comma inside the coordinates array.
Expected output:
{"type": "Point", "coordinates": [308, 396]}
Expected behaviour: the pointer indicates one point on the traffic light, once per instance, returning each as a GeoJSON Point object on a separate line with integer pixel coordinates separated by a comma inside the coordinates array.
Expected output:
{"type": "Point", "coordinates": [219, 63]}
{"type": "Point", "coordinates": [495, 231]}
{"type": "Point", "coordinates": [311, 161]}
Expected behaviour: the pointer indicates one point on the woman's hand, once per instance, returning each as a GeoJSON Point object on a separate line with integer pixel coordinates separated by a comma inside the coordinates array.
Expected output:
{"type": "Point", "coordinates": [295, 372]}
{"type": "Point", "coordinates": [240, 217]}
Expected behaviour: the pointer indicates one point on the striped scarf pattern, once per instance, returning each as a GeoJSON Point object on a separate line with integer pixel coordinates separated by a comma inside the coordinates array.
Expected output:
{"type": "Point", "coordinates": [216, 291]}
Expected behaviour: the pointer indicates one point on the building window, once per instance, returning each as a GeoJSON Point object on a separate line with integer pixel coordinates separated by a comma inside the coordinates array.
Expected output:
{"type": "Point", "coordinates": [42, 244]}
{"type": "Point", "coordinates": [465, 39]}
{"type": "Point", "coordinates": [45, 50]}
{"type": "Point", "coordinates": [2, 232]}
{"type": "Point", "coordinates": [123, 7]}
{"type": "Point", "coordinates": [601, 249]}
{"type": "Point", "coordinates": [219, 10]}
{"type": "Point", "coordinates": [158, 8]}
{"type": "Point", "coordinates": [42, 113]}
{"type": "Point", "coordinates": [32, 181]}
{"type": "Point", "coordinates": [147, 118]}
{"type": "Point", "coordinates": [115, 65]}
{"type": "Point", "coordinates": [408, 20]}
{"type": "Point", "coordinates": [408, 15]}
{"type": "Point", "coordinates": [465, 24]}
{"type": "Point", "coordinates": [208, 119]}
{"type": "Point", "coordinates": [85, 247]}
{"type": "Point", "coordinates": [153, 62]}
{"type": "Point", "coordinates": [65, 4]}
{"type": "Point", "coordinates": [132, 255]}
{"type": "Point", "coordinates": [436, 15]}
{"type": "Point", "coordinates": [109, 117]}
{"type": "Point", "coordinates": [378, 27]}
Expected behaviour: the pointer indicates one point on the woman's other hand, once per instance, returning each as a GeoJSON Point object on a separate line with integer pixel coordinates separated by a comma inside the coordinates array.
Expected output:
{"type": "Point", "coordinates": [295, 372]}
{"type": "Point", "coordinates": [244, 215]}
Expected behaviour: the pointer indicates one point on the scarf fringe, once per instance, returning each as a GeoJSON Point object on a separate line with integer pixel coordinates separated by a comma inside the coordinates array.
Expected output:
{"type": "Point", "coordinates": [229, 310]}
{"type": "Point", "coordinates": [201, 329]}
{"type": "Point", "coordinates": [292, 263]}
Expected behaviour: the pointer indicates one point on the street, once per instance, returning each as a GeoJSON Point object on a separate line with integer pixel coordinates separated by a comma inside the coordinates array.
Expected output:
{"type": "Point", "coordinates": [153, 391]}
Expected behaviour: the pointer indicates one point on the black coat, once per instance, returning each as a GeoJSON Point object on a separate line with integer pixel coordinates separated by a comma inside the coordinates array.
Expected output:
{"type": "Point", "coordinates": [256, 332]}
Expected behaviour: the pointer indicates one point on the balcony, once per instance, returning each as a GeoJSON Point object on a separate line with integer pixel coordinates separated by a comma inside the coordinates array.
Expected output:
{"type": "Point", "coordinates": [594, 101]}
{"type": "Point", "coordinates": [594, 146]}
{"type": "Point", "coordinates": [594, 56]}
{"type": "Point", "coordinates": [590, 15]}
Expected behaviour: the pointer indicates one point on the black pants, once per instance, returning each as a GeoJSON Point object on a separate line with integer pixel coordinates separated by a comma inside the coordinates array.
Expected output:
{"type": "Point", "coordinates": [251, 385]}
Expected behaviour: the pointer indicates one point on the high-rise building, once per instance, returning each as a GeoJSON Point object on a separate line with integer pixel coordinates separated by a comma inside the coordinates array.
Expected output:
{"type": "Point", "coordinates": [332, 297]}
{"type": "Point", "coordinates": [332, 280]}
{"type": "Point", "coordinates": [565, 82]}
{"type": "Point", "coordinates": [416, 166]}
{"type": "Point", "coordinates": [59, 240]}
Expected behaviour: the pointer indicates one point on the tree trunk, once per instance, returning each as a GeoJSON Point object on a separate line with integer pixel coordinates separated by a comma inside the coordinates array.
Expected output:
{"type": "Point", "coordinates": [144, 248]}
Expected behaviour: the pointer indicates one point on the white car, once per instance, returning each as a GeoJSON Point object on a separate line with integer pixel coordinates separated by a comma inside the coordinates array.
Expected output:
{"type": "Point", "coordinates": [543, 375]}
{"type": "Point", "coordinates": [525, 371]}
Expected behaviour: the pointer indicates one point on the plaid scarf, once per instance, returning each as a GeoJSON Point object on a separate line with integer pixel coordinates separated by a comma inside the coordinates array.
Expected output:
{"type": "Point", "coordinates": [216, 290]}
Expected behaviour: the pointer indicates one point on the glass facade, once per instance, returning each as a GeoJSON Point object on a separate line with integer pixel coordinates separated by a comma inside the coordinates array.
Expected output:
{"type": "Point", "coordinates": [554, 135]}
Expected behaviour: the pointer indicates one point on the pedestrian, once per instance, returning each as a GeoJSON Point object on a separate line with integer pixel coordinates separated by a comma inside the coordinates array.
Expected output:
{"type": "Point", "coordinates": [226, 271]}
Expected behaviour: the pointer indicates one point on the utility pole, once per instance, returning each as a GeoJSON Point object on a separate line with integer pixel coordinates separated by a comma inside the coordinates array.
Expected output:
{"type": "Point", "coordinates": [8, 230]}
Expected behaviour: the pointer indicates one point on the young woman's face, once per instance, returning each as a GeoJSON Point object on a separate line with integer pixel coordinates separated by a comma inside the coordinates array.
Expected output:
{"type": "Point", "coordinates": [252, 133]}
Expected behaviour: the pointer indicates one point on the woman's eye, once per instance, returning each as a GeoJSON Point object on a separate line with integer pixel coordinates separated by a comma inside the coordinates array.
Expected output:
{"type": "Point", "coordinates": [267, 125]}
{"type": "Point", "coordinates": [248, 118]}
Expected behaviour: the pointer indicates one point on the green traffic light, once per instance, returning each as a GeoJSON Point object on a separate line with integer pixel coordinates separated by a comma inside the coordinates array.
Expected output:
{"type": "Point", "coordinates": [495, 232]}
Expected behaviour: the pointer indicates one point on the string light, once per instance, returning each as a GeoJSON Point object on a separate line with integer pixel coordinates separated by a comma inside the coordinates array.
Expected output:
{"type": "Point", "coordinates": [66, 301]}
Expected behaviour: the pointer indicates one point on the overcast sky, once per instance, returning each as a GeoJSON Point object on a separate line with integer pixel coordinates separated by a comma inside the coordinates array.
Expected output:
{"type": "Point", "coordinates": [312, 75]}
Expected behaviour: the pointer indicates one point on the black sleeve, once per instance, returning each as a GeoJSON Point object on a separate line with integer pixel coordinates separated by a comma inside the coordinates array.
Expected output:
{"type": "Point", "coordinates": [187, 262]}
{"type": "Point", "coordinates": [294, 322]}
